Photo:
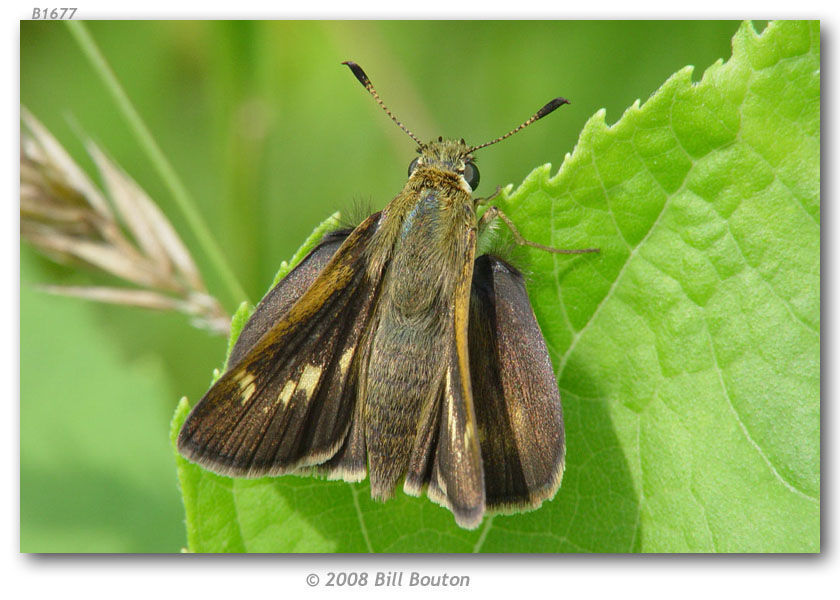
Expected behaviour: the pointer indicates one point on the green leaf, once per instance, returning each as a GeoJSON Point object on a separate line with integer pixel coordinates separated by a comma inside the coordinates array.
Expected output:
{"type": "Point", "coordinates": [687, 350]}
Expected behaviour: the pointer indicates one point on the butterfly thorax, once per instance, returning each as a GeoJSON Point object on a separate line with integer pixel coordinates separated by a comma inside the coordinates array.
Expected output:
{"type": "Point", "coordinates": [424, 230]}
{"type": "Point", "coordinates": [434, 211]}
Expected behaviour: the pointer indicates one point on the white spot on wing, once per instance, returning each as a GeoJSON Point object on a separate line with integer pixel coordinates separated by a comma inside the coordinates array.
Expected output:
{"type": "Point", "coordinates": [450, 406]}
{"type": "Point", "coordinates": [245, 380]}
{"type": "Point", "coordinates": [344, 361]}
{"type": "Point", "coordinates": [309, 379]}
{"type": "Point", "coordinates": [287, 391]}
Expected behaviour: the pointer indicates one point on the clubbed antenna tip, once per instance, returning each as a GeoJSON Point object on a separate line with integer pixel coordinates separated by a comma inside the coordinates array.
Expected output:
{"type": "Point", "coordinates": [358, 72]}
{"type": "Point", "coordinates": [550, 107]}
{"type": "Point", "coordinates": [545, 110]}
{"type": "Point", "coordinates": [365, 81]}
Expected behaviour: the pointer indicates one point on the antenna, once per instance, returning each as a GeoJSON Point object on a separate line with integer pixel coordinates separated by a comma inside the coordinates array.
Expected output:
{"type": "Point", "coordinates": [545, 110]}
{"type": "Point", "coordinates": [363, 79]}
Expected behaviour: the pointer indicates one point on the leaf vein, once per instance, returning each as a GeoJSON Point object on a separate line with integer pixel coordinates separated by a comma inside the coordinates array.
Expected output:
{"type": "Point", "coordinates": [483, 536]}
{"type": "Point", "coordinates": [785, 302]}
{"type": "Point", "coordinates": [361, 517]}
{"type": "Point", "coordinates": [744, 429]}
{"type": "Point", "coordinates": [610, 291]}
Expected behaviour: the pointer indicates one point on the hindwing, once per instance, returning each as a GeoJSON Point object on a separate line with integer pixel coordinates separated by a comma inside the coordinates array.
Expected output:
{"type": "Point", "coordinates": [517, 403]}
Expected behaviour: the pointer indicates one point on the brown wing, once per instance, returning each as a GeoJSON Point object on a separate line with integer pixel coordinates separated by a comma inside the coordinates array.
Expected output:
{"type": "Point", "coordinates": [516, 399]}
{"type": "Point", "coordinates": [288, 400]}
{"type": "Point", "coordinates": [287, 291]}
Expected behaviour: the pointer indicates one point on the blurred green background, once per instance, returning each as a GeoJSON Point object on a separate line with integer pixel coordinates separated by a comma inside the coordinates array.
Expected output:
{"type": "Point", "coordinates": [271, 134]}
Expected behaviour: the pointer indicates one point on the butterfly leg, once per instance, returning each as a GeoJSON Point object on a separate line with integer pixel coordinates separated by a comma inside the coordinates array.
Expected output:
{"type": "Point", "coordinates": [481, 201]}
{"type": "Point", "coordinates": [493, 213]}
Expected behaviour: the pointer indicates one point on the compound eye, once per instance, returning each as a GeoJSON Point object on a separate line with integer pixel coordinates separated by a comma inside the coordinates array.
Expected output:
{"type": "Point", "coordinates": [413, 166]}
{"type": "Point", "coordinates": [471, 175]}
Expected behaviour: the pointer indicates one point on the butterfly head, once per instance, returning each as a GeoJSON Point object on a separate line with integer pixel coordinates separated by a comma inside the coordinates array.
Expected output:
{"type": "Point", "coordinates": [451, 156]}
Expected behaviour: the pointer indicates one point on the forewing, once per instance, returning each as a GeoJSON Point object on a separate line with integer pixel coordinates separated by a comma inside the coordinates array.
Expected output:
{"type": "Point", "coordinates": [457, 478]}
{"type": "Point", "coordinates": [283, 295]}
{"type": "Point", "coordinates": [288, 401]}
{"type": "Point", "coordinates": [517, 402]}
